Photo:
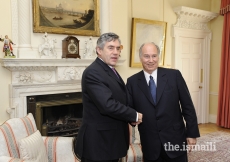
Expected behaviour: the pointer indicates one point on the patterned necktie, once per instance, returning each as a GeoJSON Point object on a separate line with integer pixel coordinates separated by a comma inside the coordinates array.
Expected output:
{"type": "Point", "coordinates": [115, 72]}
{"type": "Point", "coordinates": [153, 89]}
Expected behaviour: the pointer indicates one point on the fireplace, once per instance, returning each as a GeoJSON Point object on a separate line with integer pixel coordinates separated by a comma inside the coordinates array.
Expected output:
{"type": "Point", "coordinates": [38, 77]}
{"type": "Point", "coordinates": [57, 114]}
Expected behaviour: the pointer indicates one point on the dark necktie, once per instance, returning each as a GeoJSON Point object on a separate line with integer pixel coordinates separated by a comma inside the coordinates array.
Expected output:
{"type": "Point", "coordinates": [153, 89]}
{"type": "Point", "coordinates": [115, 72]}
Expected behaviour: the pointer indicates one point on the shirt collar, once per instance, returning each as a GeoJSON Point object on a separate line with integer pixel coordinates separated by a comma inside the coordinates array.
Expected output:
{"type": "Point", "coordinates": [103, 61]}
{"type": "Point", "coordinates": [154, 75]}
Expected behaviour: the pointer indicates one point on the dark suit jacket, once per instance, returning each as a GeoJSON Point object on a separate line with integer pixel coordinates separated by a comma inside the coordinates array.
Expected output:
{"type": "Point", "coordinates": [163, 120]}
{"type": "Point", "coordinates": [104, 131]}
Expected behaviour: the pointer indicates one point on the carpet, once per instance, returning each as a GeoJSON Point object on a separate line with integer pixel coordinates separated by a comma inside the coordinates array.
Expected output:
{"type": "Point", "coordinates": [213, 147]}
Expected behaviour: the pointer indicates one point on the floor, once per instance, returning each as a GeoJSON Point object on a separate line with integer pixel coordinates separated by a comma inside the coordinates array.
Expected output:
{"type": "Point", "coordinates": [211, 127]}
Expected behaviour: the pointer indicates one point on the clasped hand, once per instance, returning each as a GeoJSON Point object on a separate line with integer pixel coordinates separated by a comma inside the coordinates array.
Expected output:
{"type": "Point", "coordinates": [140, 116]}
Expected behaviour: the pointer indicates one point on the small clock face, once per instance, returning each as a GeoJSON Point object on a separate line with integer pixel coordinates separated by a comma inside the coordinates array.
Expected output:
{"type": "Point", "coordinates": [72, 47]}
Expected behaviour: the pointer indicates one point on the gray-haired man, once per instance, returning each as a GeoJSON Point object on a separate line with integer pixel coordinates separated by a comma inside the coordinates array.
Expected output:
{"type": "Point", "coordinates": [104, 134]}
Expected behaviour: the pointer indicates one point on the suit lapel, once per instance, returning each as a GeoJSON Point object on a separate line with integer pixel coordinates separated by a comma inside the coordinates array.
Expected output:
{"type": "Point", "coordinates": [110, 72]}
{"type": "Point", "coordinates": [142, 84]}
{"type": "Point", "coordinates": [119, 79]}
{"type": "Point", "coordinates": [113, 75]}
{"type": "Point", "coordinates": [161, 82]}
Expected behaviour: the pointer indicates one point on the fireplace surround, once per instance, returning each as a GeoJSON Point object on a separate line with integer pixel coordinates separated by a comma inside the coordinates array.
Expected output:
{"type": "Point", "coordinates": [31, 77]}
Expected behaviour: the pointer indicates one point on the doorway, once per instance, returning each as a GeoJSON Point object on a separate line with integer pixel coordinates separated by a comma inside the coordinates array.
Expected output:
{"type": "Point", "coordinates": [191, 57]}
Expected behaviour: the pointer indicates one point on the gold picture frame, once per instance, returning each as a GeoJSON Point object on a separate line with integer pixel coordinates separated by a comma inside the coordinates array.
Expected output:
{"type": "Point", "coordinates": [144, 30]}
{"type": "Point", "coordinates": [70, 17]}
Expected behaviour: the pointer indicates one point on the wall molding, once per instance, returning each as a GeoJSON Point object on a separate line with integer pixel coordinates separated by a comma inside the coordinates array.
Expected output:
{"type": "Point", "coordinates": [212, 118]}
{"type": "Point", "coordinates": [214, 93]}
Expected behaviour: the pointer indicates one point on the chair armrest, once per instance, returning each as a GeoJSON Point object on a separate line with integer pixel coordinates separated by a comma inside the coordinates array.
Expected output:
{"type": "Point", "coordinates": [8, 159]}
{"type": "Point", "coordinates": [134, 135]}
{"type": "Point", "coordinates": [134, 154]}
{"type": "Point", "coordinates": [59, 149]}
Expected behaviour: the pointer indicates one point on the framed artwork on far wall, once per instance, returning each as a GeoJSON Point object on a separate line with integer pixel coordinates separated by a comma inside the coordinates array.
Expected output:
{"type": "Point", "coordinates": [72, 17]}
{"type": "Point", "coordinates": [144, 30]}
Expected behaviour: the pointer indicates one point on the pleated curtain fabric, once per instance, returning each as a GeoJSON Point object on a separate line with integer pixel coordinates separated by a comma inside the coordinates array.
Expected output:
{"type": "Point", "coordinates": [223, 117]}
{"type": "Point", "coordinates": [224, 7]}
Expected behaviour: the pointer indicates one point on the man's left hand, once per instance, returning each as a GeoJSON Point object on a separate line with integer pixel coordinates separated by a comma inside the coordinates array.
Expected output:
{"type": "Point", "coordinates": [191, 143]}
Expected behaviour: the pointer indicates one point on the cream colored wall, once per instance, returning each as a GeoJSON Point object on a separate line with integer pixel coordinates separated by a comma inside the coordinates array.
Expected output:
{"type": "Point", "coordinates": [5, 77]}
{"type": "Point", "coordinates": [162, 10]}
{"type": "Point", "coordinates": [216, 27]}
{"type": "Point", "coordinates": [121, 24]}
{"type": "Point", "coordinates": [121, 14]}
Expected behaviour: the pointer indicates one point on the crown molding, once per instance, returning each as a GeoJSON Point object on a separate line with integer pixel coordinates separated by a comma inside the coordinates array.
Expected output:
{"type": "Point", "coordinates": [192, 18]}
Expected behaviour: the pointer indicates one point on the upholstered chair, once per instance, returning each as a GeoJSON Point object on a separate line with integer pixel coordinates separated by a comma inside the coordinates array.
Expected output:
{"type": "Point", "coordinates": [134, 153]}
{"type": "Point", "coordinates": [20, 141]}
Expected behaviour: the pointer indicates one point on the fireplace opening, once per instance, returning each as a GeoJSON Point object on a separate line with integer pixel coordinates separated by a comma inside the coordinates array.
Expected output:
{"type": "Point", "coordinates": [58, 114]}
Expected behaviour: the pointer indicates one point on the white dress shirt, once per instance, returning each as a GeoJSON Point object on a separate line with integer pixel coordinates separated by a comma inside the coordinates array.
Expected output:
{"type": "Point", "coordinates": [154, 75]}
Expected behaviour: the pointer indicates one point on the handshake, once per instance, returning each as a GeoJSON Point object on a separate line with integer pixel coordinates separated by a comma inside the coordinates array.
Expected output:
{"type": "Point", "coordinates": [140, 116]}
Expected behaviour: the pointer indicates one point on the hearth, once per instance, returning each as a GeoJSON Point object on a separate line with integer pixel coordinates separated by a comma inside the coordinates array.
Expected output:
{"type": "Point", "coordinates": [57, 114]}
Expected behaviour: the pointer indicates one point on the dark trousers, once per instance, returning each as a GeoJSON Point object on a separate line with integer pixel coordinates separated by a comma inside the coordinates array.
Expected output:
{"type": "Point", "coordinates": [165, 158]}
{"type": "Point", "coordinates": [87, 160]}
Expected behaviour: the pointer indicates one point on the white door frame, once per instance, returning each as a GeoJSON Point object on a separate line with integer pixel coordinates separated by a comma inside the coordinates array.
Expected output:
{"type": "Point", "coordinates": [192, 23]}
{"type": "Point", "coordinates": [206, 36]}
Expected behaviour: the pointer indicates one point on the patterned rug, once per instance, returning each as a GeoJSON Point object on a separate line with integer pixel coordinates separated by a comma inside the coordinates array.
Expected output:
{"type": "Point", "coordinates": [213, 147]}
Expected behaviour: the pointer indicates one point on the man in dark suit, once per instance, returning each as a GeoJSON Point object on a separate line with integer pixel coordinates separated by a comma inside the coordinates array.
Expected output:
{"type": "Point", "coordinates": [104, 134]}
{"type": "Point", "coordinates": [163, 98]}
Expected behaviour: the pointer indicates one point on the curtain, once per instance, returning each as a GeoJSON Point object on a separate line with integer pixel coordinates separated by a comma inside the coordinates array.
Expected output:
{"type": "Point", "coordinates": [223, 117]}
{"type": "Point", "coordinates": [224, 7]}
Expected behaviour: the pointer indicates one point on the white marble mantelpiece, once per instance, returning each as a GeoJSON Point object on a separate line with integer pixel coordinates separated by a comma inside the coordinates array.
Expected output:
{"type": "Point", "coordinates": [42, 64]}
{"type": "Point", "coordinates": [42, 76]}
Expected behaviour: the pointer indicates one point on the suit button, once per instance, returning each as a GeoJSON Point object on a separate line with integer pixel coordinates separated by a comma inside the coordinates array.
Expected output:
{"type": "Point", "coordinates": [159, 130]}
{"type": "Point", "coordinates": [157, 118]}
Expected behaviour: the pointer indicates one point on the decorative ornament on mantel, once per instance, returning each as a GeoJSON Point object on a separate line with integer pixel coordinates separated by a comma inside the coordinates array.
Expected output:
{"type": "Point", "coordinates": [7, 47]}
{"type": "Point", "coordinates": [29, 77]}
{"type": "Point", "coordinates": [70, 47]}
{"type": "Point", "coordinates": [70, 73]}
{"type": "Point", "coordinates": [47, 49]}
{"type": "Point", "coordinates": [89, 51]}
{"type": "Point", "coordinates": [25, 77]}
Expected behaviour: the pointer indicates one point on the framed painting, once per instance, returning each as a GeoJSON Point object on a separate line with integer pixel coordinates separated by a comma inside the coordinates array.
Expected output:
{"type": "Point", "coordinates": [144, 30]}
{"type": "Point", "coordinates": [72, 17]}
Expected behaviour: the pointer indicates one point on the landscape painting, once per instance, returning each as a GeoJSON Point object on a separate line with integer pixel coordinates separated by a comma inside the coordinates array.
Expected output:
{"type": "Point", "coordinates": [72, 17]}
